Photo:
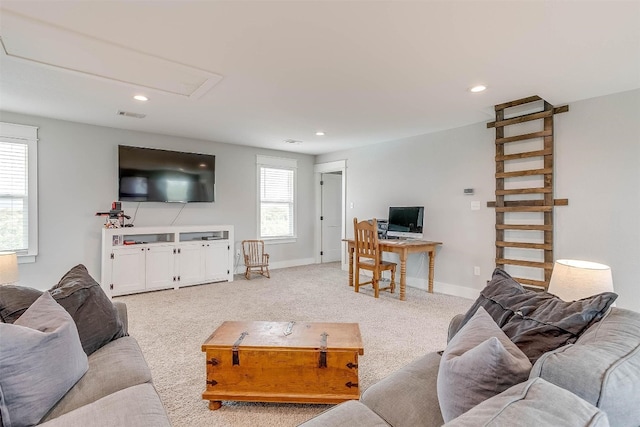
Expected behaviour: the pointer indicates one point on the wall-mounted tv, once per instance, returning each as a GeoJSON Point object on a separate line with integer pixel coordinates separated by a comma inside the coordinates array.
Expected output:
{"type": "Point", "coordinates": [405, 221]}
{"type": "Point", "coordinates": [152, 175]}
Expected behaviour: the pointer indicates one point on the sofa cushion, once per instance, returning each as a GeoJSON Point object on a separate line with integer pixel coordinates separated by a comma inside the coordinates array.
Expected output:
{"type": "Point", "coordinates": [533, 403]}
{"type": "Point", "coordinates": [116, 366]}
{"type": "Point", "coordinates": [350, 413]}
{"type": "Point", "coordinates": [139, 405]}
{"type": "Point", "coordinates": [41, 358]}
{"type": "Point", "coordinates": [478, 363]}
{"type": "Point", "coordinates": [537, 322]}
{"type": "Point", "coordinates": [602, 367]}
{"type": "Point", "coordinates": [407, 397]}
{"type": "Point", "coordinates": [95, 316]}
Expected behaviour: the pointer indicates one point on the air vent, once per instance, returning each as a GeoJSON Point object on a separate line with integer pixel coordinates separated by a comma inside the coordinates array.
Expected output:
{"type": "Point", "coordinates": [130, 114]}
{"type": "Point", "coordinates": [292, 141]}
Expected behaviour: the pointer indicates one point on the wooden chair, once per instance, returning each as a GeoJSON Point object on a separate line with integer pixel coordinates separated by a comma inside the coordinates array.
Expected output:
{"type": "Point", "coordinates": [255, 258]}
{"type": "Point", "coordinates": [369, 257]}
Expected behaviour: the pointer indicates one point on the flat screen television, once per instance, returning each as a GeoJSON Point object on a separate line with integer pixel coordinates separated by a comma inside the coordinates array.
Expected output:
{"type": "Point", "coordinates": [405, 221]}
{"type": "Point", "coordinates": [152, 175]}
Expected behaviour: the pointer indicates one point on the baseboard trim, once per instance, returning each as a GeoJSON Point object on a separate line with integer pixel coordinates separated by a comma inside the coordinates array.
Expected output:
{"type": "Point", "coordinates": [439, 287]}
{"type": "Point", "coordinates": [239, 269]}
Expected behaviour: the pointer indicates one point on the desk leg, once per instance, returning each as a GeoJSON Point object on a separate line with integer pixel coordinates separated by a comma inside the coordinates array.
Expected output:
{"type": "Point", "coordinates": [351, 250]}
{"type": "Point", "coordinates": [432, 256]}
{"type": "Point", "coordinates": [403, 275]}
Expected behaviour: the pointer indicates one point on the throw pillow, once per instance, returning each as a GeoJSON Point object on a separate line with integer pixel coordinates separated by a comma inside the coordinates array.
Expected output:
{"type": "Point", "coordinates": [41, 358]}
{"type": "Point", "coordinates": [537, 322]}
{"type": "Point", "coordinates": [478, 363]}
{"type": "Point", "coordinates": [95, 316]}
{"type": "Point", "coordinates": [15, 300]}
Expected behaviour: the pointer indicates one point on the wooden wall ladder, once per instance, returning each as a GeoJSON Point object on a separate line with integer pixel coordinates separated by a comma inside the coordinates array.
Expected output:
{"type": "Point", "coordinates": [524, 189]}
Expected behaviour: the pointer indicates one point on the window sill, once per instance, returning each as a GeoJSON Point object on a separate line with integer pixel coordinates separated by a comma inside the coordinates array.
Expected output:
{"type": "Point", "coordinates": [279, 240]}
{"type": "Point", "coordinates": [26, 259]}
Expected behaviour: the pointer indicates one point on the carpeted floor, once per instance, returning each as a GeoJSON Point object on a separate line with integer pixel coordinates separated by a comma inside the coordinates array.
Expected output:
{"type": "Point", "coordinates": [171, 325]}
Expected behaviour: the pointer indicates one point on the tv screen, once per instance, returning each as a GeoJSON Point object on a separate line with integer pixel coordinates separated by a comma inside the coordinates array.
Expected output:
{"type": "Point", "coordinates": [405, 221]}
{"type": "Point", "coordinates": [152, 175]}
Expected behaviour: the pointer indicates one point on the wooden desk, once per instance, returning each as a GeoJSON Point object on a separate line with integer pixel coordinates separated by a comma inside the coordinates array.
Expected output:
{"type": "Point", "coordinates": [402, 248]}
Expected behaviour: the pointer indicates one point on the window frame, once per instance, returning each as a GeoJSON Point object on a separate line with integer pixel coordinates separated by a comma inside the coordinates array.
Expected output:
{"type": "Point", "coordinates": [15, 133]}
{"type": "Point", "coordinates": [277, 163]}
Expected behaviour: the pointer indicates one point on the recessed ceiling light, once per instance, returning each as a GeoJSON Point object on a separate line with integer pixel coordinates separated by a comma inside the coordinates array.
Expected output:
{"type": "Point", "coordinates": [319, 133]}
{"type": "Point", "coordinates": [140, 98]}
{"type": "Point", "coordinates": [478, 88]}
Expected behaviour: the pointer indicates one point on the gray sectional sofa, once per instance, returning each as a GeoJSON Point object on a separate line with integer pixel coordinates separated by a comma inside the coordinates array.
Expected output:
{"type": "Point", "coordinates": [66, 359]}
{"type": "Point", "coordinates": [592, 380]}
{"type": "Point", "coordinates": [116, 390]}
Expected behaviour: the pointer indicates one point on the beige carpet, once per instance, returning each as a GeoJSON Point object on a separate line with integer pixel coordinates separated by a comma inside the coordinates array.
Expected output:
{"type": "Point", "coordinates": [171, 326]}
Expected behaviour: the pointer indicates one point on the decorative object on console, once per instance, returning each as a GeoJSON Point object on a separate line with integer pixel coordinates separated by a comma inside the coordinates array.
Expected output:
{"type": "Point", "coordinates": [537, 322]}
{"type": "Point", "coordinates": [572, 280]}
{"type": "Point", "coordinates": [8, 267]}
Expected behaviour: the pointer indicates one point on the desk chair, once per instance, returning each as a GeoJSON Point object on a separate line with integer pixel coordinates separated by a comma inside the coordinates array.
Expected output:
{"type": "Point", "coordinates": [369, 257]}
{"type": "Point", "coordinates": [255, 258]}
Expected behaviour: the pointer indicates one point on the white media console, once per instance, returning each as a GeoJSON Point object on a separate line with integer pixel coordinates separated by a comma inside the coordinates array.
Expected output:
{"type": "Point", "coordinates": [140, 259]}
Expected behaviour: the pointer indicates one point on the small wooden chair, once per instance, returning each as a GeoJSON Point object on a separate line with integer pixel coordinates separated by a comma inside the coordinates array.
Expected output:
{"type": "Point", "coordinates": [369, 257]}
{"type": "Point", "coordinates": [255, 258]}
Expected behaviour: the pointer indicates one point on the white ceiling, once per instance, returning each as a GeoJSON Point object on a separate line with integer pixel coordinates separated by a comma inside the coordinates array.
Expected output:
{"type": "Point", "coordinates": [364, 72]}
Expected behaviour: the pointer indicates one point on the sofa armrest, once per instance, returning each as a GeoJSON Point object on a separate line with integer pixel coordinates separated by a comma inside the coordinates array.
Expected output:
{"type": "Point", "coordinates": [454, 326]}
{"type": "Point", "coordinates": [121, 308]}
{"type": "Point", "coordinates": [408, 397]}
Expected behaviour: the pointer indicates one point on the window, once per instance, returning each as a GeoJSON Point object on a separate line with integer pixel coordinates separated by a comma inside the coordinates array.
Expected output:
{"type": "Point", "coordinates": [18, 190]}
{"type": "Point", "coordinates": [276, 198]}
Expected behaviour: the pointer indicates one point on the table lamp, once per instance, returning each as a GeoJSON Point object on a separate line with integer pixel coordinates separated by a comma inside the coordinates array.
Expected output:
{"type": "Point", "coordinates": [572, 280]}
{"type": "Point", "coordinates": [8, 268]}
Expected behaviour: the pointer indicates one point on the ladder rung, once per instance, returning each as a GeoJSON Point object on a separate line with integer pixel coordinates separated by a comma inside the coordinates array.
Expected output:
{"type": "Point", "coordinates": [524, 136]}
{"type": "Point", "coordinates": [523, 245]}
{"type": "Point", "coordinates": [539, 283]}
{"type": "Point", "coordinates": [540, 190]}
{"type": "Point", "coordinates": [535, 264]}
{"type": "Point", "coordinates": [528, 172]}
{"type": "Point", "coordinates": [517, 102]}
{"type": "Point", "coordinates": [524, 209]}
{"type": "Point", "coordinates": [521, 119]}
{"type": "Point", "coordinates": [529, 227]}
{"type": "Point", "coordinates": [526, 154]}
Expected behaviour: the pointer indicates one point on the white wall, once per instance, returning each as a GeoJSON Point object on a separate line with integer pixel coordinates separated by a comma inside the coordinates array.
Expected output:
{"type": "Point", "coordinates": [77, 177]}
{"type": "Point", "coordinates": [597, 167]}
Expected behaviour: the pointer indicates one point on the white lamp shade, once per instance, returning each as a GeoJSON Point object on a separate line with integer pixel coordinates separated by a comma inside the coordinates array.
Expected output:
{"type": "Point", "coordinates": [8, 267]}
{"type": "Point", "coordinates": [572, 280]}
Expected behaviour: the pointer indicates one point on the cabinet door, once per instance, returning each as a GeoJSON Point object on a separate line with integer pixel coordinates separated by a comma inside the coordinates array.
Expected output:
{"type": "Point", "coordinates": [216, 261]}
{"type": "Point", "coordinates": [190, 266]}
{"type": "Point", "coordinates": [159, 266]}
{"type": "Point", "coordinates": [128, 270]}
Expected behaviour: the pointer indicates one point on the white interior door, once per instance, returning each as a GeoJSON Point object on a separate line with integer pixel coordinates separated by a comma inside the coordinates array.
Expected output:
{"type": "Point", "coordinates": [331, 206]}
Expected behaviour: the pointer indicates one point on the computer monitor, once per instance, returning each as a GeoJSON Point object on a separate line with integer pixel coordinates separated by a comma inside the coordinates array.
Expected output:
{"type": "Point", "coordinates": [405, 221]}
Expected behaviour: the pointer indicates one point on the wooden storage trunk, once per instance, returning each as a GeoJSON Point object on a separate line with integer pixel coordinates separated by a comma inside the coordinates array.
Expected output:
{"type": "Point", "coordinates": [296, 362]}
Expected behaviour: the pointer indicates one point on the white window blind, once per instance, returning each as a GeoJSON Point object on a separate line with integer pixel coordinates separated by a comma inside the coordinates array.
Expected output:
{"type": "Point", "coordinates": [18, 196]}
{"type": "Point", "coordinates": [276, 197]}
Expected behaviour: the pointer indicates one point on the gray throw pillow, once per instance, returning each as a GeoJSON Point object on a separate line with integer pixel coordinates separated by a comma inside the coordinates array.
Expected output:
{"type": "Point", "coordinates": [533, 403]}
{"type": "Point", "coordinates": [537, 322]}
{"type": "Point", "coordinates": [41, 358]}
{"type": "Point", "coordinates": [92, 310]}
{"type": "Point", "coordinates": [478, 363]}
{"type": "Point", "coordinates": [96, 317]}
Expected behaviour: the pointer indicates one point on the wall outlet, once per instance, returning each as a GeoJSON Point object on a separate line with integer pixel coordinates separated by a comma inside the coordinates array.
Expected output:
{"type": "Point", "coordinates": [476, 271]}
{"type": "Point", "coordinates": [238, 253]}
